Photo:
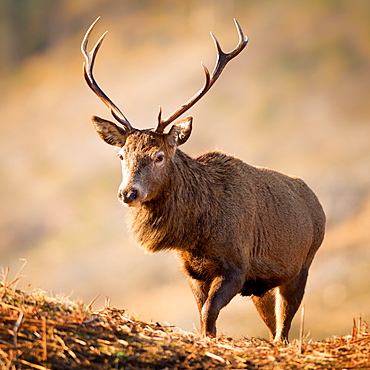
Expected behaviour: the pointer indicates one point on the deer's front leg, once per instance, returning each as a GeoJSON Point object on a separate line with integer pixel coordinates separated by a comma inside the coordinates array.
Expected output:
{"type": "Point", "coordinates": [222, 289]}
{"type": "Point", "coordinates": [200, 291]}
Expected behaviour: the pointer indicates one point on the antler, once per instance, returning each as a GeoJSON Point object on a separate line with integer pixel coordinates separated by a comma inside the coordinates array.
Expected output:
{"type": "Point", "coordinates": [222, 60]}
{"type": "Point", "coordinates": [88, 67]}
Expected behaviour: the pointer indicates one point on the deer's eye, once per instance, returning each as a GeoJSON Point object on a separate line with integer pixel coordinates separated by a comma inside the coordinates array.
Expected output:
{"type": "Point", "coordinates": [159, 158]}
{"type": "Point", "coordinates": [120, 157]}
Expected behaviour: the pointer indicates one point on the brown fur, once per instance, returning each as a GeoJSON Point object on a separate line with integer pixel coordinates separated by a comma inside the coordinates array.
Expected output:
{"type": "Point", "coordinates": [236, 228]}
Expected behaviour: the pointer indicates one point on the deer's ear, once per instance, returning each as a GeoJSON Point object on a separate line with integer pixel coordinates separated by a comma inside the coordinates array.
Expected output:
{"type": "Point", "coordinates": [180, 132]}
{"type": "Point", "coordinates": [109, 131]}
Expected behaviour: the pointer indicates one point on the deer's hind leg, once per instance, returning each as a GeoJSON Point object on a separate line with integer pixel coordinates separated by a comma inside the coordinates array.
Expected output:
{"type": "Point", "coordinates": [288, 299]}
{"type": "Point", "coordinates": [265, 305]}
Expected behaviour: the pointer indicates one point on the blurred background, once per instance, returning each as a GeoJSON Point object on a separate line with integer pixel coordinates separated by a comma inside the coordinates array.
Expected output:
{"type": "Point", "coordinates": [296, 100]}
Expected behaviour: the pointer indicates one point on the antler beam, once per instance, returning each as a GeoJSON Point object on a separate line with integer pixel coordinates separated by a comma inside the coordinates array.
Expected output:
{"type": "Point", "coordinates": [222, 60]}
{"type": "Point", "coordinates": [88, 72]}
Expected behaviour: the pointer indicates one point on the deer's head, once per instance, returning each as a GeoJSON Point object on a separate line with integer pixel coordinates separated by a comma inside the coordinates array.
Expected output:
{"type": "Point", "coordinates": [145, 154]}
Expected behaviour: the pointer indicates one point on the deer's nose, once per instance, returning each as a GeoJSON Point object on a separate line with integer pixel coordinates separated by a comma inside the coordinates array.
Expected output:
{"type": "Point", "coordinates": [128, 197]}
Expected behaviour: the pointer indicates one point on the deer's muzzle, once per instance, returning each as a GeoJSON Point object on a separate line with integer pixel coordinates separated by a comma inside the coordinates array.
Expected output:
{"type": "Point", "coordinates": [132, 196]}
{"type": "Point", "coordinates": [129, 197]}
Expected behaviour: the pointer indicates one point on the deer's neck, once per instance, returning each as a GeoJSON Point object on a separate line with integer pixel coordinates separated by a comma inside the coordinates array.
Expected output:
{"type": "Point", "coordinates": [180, 216]}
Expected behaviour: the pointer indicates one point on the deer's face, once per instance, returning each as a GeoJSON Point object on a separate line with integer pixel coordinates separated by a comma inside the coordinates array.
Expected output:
{"type": "Point", "coordinates": [145, 157]}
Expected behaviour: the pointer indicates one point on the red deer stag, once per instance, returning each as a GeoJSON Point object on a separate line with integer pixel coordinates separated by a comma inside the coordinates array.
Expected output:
{"type": "Point", "coordinates": [236, 228]}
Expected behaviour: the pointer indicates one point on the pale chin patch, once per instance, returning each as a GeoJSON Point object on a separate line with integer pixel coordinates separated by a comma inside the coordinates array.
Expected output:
{"type": "Point", "coordinates": [134, 204]}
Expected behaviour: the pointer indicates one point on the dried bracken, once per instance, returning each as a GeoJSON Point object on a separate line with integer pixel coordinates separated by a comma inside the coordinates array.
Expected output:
{"type": "Point", "coordinates": [40, 332]}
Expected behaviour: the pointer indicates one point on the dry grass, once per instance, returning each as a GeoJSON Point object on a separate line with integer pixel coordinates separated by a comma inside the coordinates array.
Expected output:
{"type": "Point", "coordinates": [41, 332]}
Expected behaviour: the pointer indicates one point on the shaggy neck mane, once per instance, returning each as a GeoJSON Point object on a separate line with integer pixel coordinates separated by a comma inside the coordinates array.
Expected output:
{"type": "Point", "coordinates": [179, 217]}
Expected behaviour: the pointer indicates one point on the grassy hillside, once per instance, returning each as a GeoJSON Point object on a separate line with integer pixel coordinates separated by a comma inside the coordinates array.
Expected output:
{"type": "Point", "coordinates": [41, 332]}
{"type": "Point", "coordinates": [295, 100]}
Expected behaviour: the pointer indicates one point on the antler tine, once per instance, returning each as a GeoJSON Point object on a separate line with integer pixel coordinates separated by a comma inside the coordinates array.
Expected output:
{"type": "Point", "coordinates": [222, 60]}
{"type": "Point", "coordinates": [88, 68]}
